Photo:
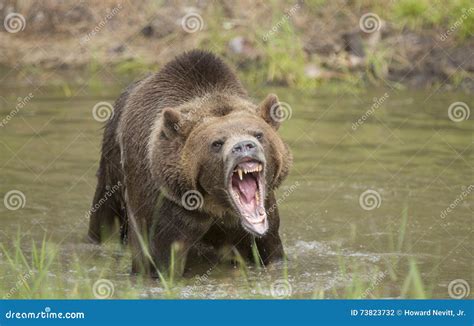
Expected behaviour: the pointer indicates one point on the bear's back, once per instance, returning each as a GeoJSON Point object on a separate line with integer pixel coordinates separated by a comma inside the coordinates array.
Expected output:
{"type": "Point", "coordinates": [196, 73]}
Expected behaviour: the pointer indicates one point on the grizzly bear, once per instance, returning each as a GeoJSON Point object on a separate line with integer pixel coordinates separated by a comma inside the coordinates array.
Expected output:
{"type": "Point", "coordinates": [197, 162]}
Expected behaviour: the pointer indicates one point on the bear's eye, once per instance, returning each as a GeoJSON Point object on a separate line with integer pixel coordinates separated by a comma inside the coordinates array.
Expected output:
{"type": "Point", "coordinates": [259, 135]}
{"type": "Point", "coordinates": [216, 145]}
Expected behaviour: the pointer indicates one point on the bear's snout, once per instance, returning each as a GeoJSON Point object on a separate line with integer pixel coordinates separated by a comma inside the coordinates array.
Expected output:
{"type": "Point", "coordinates": [246, 147]}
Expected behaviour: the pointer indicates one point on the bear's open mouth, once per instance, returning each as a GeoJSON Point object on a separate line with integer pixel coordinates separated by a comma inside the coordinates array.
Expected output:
{"type": "Point", "coordinates": [247, 192]}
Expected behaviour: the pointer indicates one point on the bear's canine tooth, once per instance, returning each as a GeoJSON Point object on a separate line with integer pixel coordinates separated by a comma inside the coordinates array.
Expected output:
{"type": "Point", "coordinates": [239, 171]}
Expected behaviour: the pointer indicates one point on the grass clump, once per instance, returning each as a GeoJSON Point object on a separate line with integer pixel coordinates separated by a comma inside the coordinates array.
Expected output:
{"type": "Point", "coordinates": [416, 13]}
{"type": "Point", "coordinates": [37, 270]}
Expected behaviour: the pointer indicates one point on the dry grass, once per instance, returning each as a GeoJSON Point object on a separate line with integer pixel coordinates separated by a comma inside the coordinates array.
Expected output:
{"type": "Point", "coordinates": [308, 41]}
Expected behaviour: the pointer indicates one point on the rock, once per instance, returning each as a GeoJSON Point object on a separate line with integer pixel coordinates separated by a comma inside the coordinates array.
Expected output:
{"type": "Point", "coordinates": [160, 27]}
{"type": "Point", "coordinates": [147, 31]}
{"type": "Point", "coordinates": [462, 56]}
{"type": "Point", "coordinates": [242, 48]}
{"type": "Point", "coordinates": [312, 71]}
{"type": "Point", "coordinates": [243, 52]}
{"type": "Point", "coordinates": [236, 45]}
{"type": "Point", "coordinates": [353, 44]}
{"type": "Point", "coordinates": [354, 61]}
{"type": "Point", "coordinates": [117, 49]}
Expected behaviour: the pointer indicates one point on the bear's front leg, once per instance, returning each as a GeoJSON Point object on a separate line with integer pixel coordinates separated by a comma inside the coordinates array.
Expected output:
{"type": "Point", "coordinates": [269, 246]}
{"type": "Point", "coordinates": [174, 232]}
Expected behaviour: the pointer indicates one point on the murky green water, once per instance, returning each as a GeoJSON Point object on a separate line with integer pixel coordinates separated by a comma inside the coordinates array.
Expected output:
{"type": "Point", "coordinates": [408, 154]}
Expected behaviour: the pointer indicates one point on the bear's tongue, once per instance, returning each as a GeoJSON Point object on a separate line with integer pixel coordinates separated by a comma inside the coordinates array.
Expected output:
{"type": "Point", "coordinates": [247, 187]}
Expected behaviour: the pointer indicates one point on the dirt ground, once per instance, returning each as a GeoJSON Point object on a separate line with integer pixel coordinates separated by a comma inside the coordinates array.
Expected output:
{"type": "Point", "coordinates": [327, 39]}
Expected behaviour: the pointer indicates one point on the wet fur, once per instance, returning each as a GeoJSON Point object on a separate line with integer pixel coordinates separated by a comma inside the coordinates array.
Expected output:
{"type": "Point", "coordinates": [149, 159]}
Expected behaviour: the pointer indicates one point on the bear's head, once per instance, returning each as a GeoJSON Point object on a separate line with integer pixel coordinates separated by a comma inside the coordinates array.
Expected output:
{"type": "Point", "coordinates": [228, 150]}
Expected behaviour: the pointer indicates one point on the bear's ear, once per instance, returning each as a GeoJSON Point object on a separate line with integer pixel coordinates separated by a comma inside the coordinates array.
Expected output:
{"type": "Point", "coordinates": [269, 110]}
{"type": "Point", "coordinates": [172, 122]}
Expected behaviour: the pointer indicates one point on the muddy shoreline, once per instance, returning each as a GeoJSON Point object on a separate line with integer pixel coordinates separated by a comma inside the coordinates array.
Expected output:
{"type": "Point", "coordinates": [296, 44]}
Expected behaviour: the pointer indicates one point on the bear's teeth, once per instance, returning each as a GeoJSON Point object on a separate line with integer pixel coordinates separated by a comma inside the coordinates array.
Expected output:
{"type": "Point", "coordinates": [257, 197]}
{"type": "Point", "coordinates": [257, 169]}
{"type": "Point", "coordinates": [241, 171]}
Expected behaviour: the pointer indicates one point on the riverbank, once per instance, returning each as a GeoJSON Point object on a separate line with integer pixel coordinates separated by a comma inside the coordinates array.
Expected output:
{"type": "Point", "coordinates": [404, 44]}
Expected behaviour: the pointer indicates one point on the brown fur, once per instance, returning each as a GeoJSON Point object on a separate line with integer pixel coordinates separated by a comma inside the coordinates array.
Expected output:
{"type": "Point", "coordinates": [158, 146]}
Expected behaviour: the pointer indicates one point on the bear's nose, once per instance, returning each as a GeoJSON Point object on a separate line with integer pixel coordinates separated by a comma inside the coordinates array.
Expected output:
{"type": "Point", "coordinates": [244, 146]}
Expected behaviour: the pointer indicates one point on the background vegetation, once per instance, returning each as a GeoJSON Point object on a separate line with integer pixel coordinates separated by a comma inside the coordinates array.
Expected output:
{"type": "Point", "coordinates": [296, 43]}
